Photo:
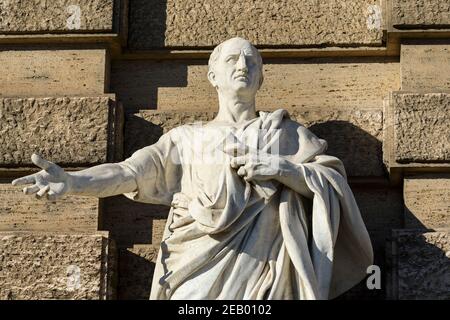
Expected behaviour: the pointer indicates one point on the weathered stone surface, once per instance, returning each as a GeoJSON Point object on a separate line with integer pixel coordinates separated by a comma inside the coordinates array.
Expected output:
{"type": "Point", "coordinates": [42, 73]}
{"type": "Point", "coordinates": [136, 266]}
{"type": "Point", "coordinates": [353, 136]}
{"type": "Point", "coordinates": [164, 23]}
{"type": "Point", "coordinates": [427, 201]}
{"type": "Point", "coordinates": [420, 14]}
{"type": "Point", "coordinates": [425, 67]}
{"type": "Point", "coordinates": [70, 130]}
{"type": "Point", "coordinates": [158, 230]}
{"type": "Point", "coordinates": [351, 83]}
{"type": "Point", "coordinates": [421, 127]}
{"type": "Point", "coordinates": [420, 265]}
{"type": "Point", "coordinates": [19, 212]}
{"type": "Point", "coordinates": [56, 266]}
{"type": "Point", "coordinates": [33, 16]}
{"type": "Point", "coordinates": [130, 222]}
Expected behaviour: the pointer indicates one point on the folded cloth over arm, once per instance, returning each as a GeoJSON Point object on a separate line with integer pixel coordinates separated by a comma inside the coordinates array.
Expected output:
{"type": "Point", "coordinates": [340, 250]}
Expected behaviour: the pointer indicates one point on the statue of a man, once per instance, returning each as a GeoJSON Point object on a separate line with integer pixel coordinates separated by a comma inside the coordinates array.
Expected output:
{"type": "Point", "coordinates": [273, 218]}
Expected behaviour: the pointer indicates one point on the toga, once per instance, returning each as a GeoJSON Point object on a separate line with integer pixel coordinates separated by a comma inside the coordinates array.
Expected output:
{"type": "Point", "coordinates": [226, 238]}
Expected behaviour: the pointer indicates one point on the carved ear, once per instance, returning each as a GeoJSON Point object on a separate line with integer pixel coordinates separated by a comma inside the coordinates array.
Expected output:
{"type": "Point", "coordinates": [212, 78]}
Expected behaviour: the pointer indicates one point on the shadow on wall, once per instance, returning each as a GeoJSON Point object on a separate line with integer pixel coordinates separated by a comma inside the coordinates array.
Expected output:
{"type": "Point", "coordinates": [360, 151]}
{"type": "Point", "coordinates": [139, 133]}
{"type": "Point", "coordinates": [130, 222]}
{"type": "Point", "coordinates": [137, 229]}
{"type": "Point", "coordinates": [147, 24]}
{"type": "Point", "coordinates": [420, 265]}
{"type": "Point", "coordinates": [136, 83]}
{"type": "Point", "coordinates": [135, 273]}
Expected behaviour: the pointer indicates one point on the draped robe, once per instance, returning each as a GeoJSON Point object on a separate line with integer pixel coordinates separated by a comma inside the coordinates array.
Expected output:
{"type": "Point", "coordinates": [226, 238]}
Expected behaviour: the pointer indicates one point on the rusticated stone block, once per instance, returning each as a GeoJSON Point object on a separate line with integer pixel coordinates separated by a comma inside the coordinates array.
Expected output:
{"type": "Point", "coordinates": [353, 136]}
{"type": "Point", "coordinates": [420, 265]}
{"type": "Point", "coordinates": [420, 14]}
{"type": "Point", "coordinates": [425, 67]}
{"type": "Point", "coordinates": [427, 201]}
{"type": "Point", "coordinates": [56, 266]}
{"type": "Point", "coordinates": [158, 230]}
{"type": "Point", "coordinates": [34, 16]}
{"type": "Point", "coordinates": [136, 266]}
{"type": "Point", "coordinates": [28, 72]}
{"type": "Point", "coordinates": [163, 23]}
{"type": "Point", "coordinates": [351, 83]}
{"type": "Point", "coordinates": [70, 131]}
{"type": "Point", "coordinates": [421, 127]}
{"type": "Point", "coordinates": [19, 212]}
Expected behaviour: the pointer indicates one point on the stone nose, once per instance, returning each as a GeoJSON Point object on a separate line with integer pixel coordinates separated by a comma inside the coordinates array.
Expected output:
{"type": "Point", "coordinates": [242, 63]}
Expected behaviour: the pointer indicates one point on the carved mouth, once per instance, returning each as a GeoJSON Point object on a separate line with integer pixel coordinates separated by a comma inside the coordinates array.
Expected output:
{"type": "Point", "coordinates": [241, 77]}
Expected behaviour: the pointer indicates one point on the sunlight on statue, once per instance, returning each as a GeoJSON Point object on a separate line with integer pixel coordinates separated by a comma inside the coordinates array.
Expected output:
{"type": "Point", "coordinates": [258, 211]}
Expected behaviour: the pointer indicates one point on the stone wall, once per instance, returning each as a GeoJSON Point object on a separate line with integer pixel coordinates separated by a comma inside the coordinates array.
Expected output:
{"type": "Point", "coordinates": [263, 22]}
{"type": "Point", "coordinates": [89, 82]}
{"type": "Point", "coordinates": [55, 266]}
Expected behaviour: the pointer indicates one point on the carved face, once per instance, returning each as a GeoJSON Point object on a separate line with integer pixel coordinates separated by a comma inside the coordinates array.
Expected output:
{"type": "Point", "coordinates": [237, 68]}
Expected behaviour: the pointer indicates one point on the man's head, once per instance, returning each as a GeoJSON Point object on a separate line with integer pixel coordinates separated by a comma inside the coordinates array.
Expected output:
{"type": "Point", "coordinates": [235, 65]}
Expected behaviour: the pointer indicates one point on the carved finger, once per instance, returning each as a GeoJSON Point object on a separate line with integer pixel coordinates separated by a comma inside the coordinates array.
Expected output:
{"type": "Point", "coordinates": [31, 190]}
{"type": "Point", "coordinates": [51, 168]}
{"type": "Point", "coordinates": [42, 192]}
{"type": "Point", "coordinates": [24, 180]}
{"type": "Point", "coordinates": [238, 161]}
{"type": "Point", "coordinates": [250, 166]}
{"type": "Point", "coordinates": [242, 172]}
{"type": "Point", "coordinates": [249, 173]}
{"type": "Point", "coordinates": [253, 176]}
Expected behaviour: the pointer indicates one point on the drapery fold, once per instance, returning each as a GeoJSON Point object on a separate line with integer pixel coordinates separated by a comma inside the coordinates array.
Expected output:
{"type": "Point", "coordinates": [319, 265]}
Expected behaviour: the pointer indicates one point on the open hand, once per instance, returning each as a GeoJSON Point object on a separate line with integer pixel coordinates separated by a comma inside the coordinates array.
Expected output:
{"type": "Point", "coordinates": [51, 181]}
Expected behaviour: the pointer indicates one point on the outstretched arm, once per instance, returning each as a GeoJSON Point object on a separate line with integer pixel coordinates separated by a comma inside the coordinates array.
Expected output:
{"type": "Point", "coordinates": [100, 181]}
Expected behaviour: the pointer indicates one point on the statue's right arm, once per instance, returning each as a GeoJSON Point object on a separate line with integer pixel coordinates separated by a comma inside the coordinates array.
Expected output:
{"type": "Point", "coordinates": [100, 181]}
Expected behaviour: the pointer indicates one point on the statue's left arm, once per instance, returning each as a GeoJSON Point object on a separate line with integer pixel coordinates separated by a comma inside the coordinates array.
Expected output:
{"type": "Point", "coordinates": [297, 146]}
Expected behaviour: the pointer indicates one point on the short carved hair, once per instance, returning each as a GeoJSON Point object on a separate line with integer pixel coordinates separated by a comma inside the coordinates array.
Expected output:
{"type": "Point", "coordinates": [216, 54]}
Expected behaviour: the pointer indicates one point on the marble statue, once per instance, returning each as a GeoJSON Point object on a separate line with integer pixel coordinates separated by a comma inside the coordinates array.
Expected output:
{"type": "Point", "coordinates": [258, 210]}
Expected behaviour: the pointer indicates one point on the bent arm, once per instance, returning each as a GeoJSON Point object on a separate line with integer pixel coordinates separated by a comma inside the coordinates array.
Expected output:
{"type": "Point", "coordinates": [291, 175]}
{"type": "Point", "coordinates": [101, 181]}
